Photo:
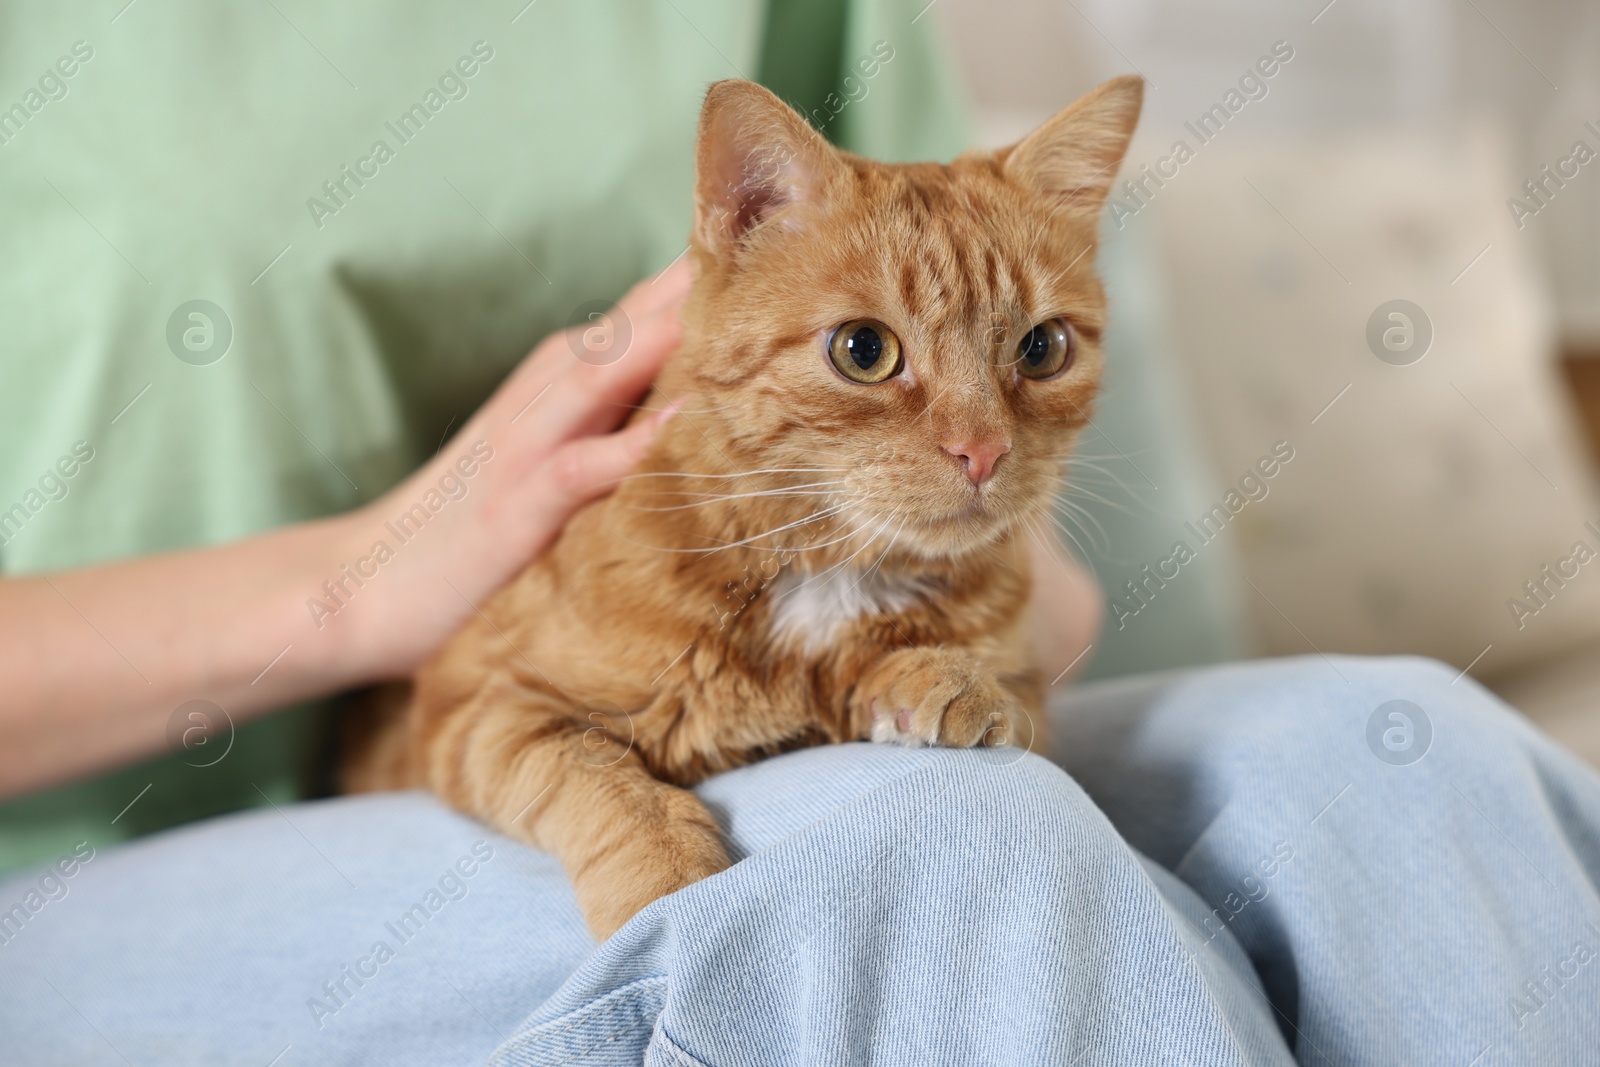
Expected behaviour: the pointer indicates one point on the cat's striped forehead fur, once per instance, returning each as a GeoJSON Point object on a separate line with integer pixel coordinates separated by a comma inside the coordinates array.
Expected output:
{"type": "Point", "coordinates": [959, 261]}
{"type": "Point", "coordinates": [970, 246]}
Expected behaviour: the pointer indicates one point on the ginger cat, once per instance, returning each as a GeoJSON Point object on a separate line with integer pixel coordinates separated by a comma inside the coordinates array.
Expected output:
{"type": "Point", "coordinates": [888, 368]}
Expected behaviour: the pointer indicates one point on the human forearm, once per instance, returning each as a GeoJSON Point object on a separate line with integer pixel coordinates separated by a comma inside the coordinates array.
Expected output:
{"type": "Point", "coordinates": [94, 661]}
{"type": "Point", "coordinates": [1066, 612]}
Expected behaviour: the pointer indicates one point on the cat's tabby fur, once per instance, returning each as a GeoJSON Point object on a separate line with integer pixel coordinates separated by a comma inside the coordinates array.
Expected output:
{"type": "Point", "coordinates": [801, 559]}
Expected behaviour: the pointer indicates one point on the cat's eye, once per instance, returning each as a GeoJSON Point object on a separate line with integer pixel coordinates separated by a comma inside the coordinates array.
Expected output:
{"type": "Point", "coordinates": [1047, 350]}
{"type": "Point", "coordinates": [865, 351]}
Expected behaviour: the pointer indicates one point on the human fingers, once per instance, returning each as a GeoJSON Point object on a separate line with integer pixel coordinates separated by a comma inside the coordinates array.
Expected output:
{"type": "Point", "coordinates": [590, 399]}
{"type": "Point", "coordinates": [650, 319]}
{"type": "Point", "coordinates": [668, 286]}
{"type": "Point", "coordinates": [587, 467]}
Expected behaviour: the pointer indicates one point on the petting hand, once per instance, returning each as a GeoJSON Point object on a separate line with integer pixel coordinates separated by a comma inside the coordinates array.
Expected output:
{"type": "Point", "coordinates": [498, 493]}
{"type": "Point", "coordinates": [94, 660]}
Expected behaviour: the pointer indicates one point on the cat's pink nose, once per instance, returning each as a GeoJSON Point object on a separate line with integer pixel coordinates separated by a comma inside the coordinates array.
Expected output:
{"type": "Point", "coordinates": [977, 457]}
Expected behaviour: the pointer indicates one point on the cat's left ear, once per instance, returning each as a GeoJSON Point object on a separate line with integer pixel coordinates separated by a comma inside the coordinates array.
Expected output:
{"type": "Point", "coordinates": [1073, 157]}
{"type": "Point", "coordinates": [756, 158]}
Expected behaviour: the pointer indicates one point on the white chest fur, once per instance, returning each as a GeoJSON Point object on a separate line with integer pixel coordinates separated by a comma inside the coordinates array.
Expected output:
{"type": "Point", "coordinates": [811, 610]}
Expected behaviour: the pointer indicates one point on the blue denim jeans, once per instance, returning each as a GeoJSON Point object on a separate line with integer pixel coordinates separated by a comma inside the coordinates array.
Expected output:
{"type": "Point", "coordinates": [1313, 860]}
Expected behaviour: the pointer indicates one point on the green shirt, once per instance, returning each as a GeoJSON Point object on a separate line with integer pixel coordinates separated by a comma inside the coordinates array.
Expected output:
{"type": "Point", "coordinates": [382, 212]}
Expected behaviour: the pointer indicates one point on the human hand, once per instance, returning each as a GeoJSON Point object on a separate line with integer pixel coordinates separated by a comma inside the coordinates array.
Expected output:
{"type": "Point", "coordinates": [539, 449]}
{"type": "Point", "coordinates": [315, 608]}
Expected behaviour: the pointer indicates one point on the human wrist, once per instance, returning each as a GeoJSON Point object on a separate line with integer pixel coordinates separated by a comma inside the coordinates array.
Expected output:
{"type": "Point", "coordinates": [345, 647]}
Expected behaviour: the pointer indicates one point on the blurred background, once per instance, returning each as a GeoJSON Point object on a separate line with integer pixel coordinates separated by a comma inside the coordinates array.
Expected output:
{"type": "Point", "coordinates": [1300, 170]}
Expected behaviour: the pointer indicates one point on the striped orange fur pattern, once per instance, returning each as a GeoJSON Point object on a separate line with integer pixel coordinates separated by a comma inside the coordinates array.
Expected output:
{"type": "Point", "coordinates": [803, 558]}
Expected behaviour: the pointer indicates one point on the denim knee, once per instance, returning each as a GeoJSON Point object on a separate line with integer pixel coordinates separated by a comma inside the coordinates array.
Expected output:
{"type": "Point", "coordinates": [1283, 740]}
{"type": "Point", "coordinates": [1355, 713]}
{"type": "Point", "coordinates": [940, 796]}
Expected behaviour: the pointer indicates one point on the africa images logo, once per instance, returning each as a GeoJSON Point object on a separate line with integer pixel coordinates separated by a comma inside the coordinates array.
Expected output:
{"type": "Point", "coordinates": [1399, 732]}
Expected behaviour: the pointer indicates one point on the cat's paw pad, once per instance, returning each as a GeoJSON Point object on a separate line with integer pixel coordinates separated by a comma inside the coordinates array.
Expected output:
{"type": "Point", "coordinates": [923, 697]}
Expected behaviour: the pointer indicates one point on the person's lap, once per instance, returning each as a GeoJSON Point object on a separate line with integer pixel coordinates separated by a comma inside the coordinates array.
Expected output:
{"type": "Point", "coordinates": [1438, 863]}
{"type": "Point", "coordinates": [896, 907]}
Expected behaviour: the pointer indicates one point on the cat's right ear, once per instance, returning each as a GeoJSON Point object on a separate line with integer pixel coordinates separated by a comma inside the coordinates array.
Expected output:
{"type": "Point", "coordinates": [756, 159]}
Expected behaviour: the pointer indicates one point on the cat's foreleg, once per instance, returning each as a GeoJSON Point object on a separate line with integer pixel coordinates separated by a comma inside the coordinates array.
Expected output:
{"type": "Point", "coordinates": [523, 761]}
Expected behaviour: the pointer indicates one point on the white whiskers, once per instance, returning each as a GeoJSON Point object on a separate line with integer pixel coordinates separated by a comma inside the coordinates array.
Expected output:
{"type": "Point", "coordinates": [707, 499]}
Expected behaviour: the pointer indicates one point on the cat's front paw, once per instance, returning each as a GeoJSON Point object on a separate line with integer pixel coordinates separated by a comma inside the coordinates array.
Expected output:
{"type": "Point", "coordinates": [936, 696]}
{"type": "Point", "coordinates": [660, 853]}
